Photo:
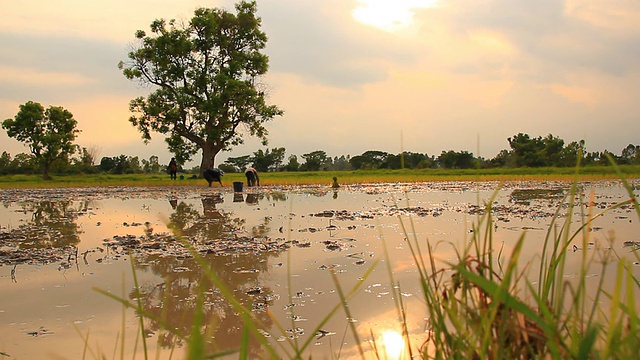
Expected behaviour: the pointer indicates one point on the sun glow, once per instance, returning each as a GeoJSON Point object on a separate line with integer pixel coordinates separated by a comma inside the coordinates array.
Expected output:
{"type": "Point", "coordinates": [393, 344]}
{"type": "Point", "coordinates": [389, 15]}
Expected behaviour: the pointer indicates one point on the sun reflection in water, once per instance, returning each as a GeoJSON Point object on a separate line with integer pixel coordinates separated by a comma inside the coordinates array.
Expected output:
{"type": "Point", "coordinates": [393, 344]}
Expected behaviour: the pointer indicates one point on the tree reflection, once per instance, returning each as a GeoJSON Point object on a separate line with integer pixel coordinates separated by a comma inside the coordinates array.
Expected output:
{"type": "Point", "coordinates": [255, 198]}
{"type": "Point", "coordinates": [51, 234]}
{"type": "Point", "coordinates": [52, 225]}
{"type": "Point", "coordinates": [274, 196]}
{"type": "Point", "coordinates": [186, 220]}
{"type": "Point", "coordinates": [174, 300]}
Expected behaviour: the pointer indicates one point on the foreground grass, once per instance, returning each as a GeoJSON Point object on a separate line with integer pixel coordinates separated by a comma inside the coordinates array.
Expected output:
{"type": "Point", "coordinates": [325, 177]}
{"type": "Point", "coordinates": [487, 306]}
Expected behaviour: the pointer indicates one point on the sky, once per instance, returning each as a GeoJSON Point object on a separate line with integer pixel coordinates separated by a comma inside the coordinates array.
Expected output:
{"type": "Point", "coordinates": [424, 76]}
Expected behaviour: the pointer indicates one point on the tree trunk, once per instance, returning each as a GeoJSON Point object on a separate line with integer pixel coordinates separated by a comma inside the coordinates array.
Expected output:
{"type": "Point", "coordinates": [45, 170]}
{"type": "Point", "coordinates": [208, 158]}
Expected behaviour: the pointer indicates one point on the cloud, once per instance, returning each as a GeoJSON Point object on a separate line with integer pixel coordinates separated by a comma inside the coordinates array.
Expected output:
{"type": "Point", "coordinates": [58, 68]}
{"type": "Point", "coordinates": [18, 76]}
{"type": "Point", "coordinates": [552, 36]}
{"type": "Point", "coordinates": [320, 42]}
{"type": "Point", "coordinates": [112, 20]}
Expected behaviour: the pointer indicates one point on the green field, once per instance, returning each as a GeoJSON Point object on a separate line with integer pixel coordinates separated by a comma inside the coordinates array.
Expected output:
{"type": "Point", "coordinates": [325, 177]}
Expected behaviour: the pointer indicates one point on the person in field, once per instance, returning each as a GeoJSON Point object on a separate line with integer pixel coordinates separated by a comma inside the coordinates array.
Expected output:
{"type": "Point", "coordinates": [212, 175]}
{"type": "Point", "coordinates": [252, 176]}
{"type": "Point", "coordinates": [173, 168]}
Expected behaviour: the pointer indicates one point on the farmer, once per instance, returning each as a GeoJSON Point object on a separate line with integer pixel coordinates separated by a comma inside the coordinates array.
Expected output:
{"type": "Point", "coordinates": [252, 176]}
{"type": "Point", "coordinates": [173, 168]}
{"type": "Point", "coordinates": [335, 184]}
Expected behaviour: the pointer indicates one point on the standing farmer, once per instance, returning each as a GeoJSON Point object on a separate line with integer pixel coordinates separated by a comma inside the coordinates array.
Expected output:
{"type": "Point", "coordinates": [173, 168]}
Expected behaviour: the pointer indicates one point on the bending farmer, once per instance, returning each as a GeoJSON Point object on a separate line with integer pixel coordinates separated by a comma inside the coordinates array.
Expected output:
{"type": "Point", "coordinates": [252, 176]}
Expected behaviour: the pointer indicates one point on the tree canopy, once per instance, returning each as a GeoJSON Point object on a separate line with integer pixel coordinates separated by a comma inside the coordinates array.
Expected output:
{"type": "Point", "coordinates": [48, 133]}
{"type": "Point", "coordinates": [206, 76]}
{"type": "Point", "coordinates": [315, 160]}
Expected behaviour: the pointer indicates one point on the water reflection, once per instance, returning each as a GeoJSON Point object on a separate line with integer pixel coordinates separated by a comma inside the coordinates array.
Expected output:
{"type": "Point", "coordinates": [53, 224]}
{"type": "Point", "coordinates": [274, 196]}
{"type": "Point", "coordinates": [252, 199]}
{"type": "Point", "coordinates": [173, 202]}
{"type": "Point", "coordinates": [287, 274]}
{"type": "Point", "coordinates": [525, 196]}
{"type": "Point", "coordinates": [174, 300]}
{"type": "Point", "coordinates": [49, 233]}
{"type": "Point", "coordinates": [393, 344]}
{"type": "Point", "coordinates": [188, 222]}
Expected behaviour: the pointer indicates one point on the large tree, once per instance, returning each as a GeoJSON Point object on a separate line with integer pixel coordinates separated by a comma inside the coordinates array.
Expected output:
{"type": "Point", "coordinates": [48, 133]}
{"type": "Point", "coordinates": [206, 77]}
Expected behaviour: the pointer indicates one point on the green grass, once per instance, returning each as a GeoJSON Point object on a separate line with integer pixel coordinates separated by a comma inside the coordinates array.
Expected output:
{"type": "Point", "coordinates": [325, 177]}
{"type": "Point", "coordinates": [486, 305]}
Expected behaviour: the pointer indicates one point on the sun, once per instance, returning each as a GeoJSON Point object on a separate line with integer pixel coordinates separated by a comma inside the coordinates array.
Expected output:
{"type": "Point", "coordinates": [393, 344]}
{"type": "Point", "coordinates": [389, 15]}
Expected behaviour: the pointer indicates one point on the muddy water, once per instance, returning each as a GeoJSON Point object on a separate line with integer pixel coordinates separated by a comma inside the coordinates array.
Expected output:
{"type": "Point", "coordinates": [274, 248]}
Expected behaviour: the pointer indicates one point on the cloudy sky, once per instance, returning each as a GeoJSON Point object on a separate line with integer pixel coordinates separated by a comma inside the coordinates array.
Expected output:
{"type": "Point", "coordinates": [355, 75]}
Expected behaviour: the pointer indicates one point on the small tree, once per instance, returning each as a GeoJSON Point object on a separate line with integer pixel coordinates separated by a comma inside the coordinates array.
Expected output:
{"type": "Point", "coordinates": [631, 154]}
{"type": "Point", "coordinates": [151, 166]}
{"type": "Point", "coordinates": [133, 165]}
{"type": "Point", "coordinates": [85, 162]}
{"type": "Point", "coordinates": [293, 164]}
{"type": "Point", "coordinates": [5, 163]}
{"type": "Point", "coordinates": [24, 163]}
{"type": "Point", "coordinates": [372, 159]}
{"type": "Point", "coordinates": [107, 164]}
{"type": "Point", "coordinates": [504, 158]}
{"type": "Point", "coordinates": [269, 160]}
{"type": "Point", "coordinates": [572, 154]}
{"type": "Point", "coordinates": [122, 164]}
{"type": "Point", "coordinates": [528, 151]}
{"type": "Point", "coordinates": [456, 160]}
{"type": "Point", "coordinates": [49, 134]}
{"type": "Point", "coordinates": [314, 160]}
{"type": "Point", "coordinates": [341, 163]}
{"type": "Point", "coordinates": [240, 162]}
{"type": "Point", "coordinates": [227, 168]}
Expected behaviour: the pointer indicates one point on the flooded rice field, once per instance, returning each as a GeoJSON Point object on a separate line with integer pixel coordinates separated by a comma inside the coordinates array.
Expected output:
{"type": "Point", "coordinates": [275, 248]}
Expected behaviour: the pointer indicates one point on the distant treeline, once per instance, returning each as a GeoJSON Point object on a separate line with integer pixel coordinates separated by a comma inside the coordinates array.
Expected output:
{"type": "Point", "coordinates": [525, 151]}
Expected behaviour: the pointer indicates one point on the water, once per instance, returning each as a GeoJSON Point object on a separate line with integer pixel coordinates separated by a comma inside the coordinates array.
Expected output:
{"type": "Point", "coordinates": [274, 249]}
